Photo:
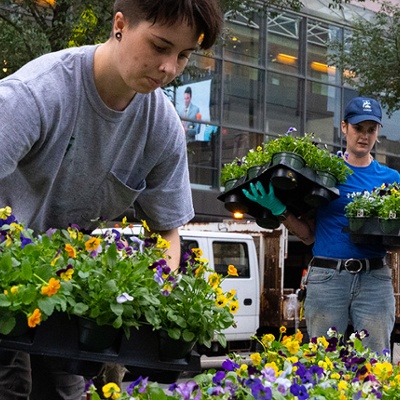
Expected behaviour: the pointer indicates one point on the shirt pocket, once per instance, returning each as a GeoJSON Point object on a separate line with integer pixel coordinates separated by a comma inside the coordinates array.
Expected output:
{"type": "Point", "coordinates": [113, 198]}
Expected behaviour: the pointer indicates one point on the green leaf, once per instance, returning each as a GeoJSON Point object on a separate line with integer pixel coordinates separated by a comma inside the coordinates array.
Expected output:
{"type": "Point", "coordinates": [26, 270]}
{"type": "Point", "coordinates": [188, 336]}
{"type": "Point", "coordinates": [80, 308]}
{"type": "Point", "coordinates": [117, 308]}
{"type": "Point", "coordinates": [112, 255]}
{"type": "Point", "coordinates": [7, 323]}
{"type": "Point", "coordinates": [174, 333]}
{"type": "Point", "coordinates": [4, 302]}
{"type": "Point", "coordinates": [46, 305]}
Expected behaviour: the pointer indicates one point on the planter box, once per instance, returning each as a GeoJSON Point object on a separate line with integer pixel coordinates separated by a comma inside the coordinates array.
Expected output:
{"type": "Point", "coordinates": [304, 192]}
{"type": "Point", "coordinates": [58, 337]}
{"type": "Point", "coordinates": [371, 232]}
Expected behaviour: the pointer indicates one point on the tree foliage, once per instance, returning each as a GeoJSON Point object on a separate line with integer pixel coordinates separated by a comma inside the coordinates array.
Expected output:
{"type": "Point", "coordinates": [30, 28]}
{"type": "Point", "coordinates": [370, 57]}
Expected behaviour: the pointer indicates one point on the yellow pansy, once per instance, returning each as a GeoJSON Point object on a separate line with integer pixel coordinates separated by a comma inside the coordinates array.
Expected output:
{"type": "Point", "coordinates": [233, 306]}
{"type": "Point", "coordinates": [267, 339]}
{"type": "Point", "coordinates": [111, 391]}
{"type": "Point", "coordinates": [292, 345]}
{"type": "Point", "coordinates": [72, 233]}
{"type": "Point", "coordinates": [256, 358]}
{"type": "Point", "coordinates": [242, 371]}
{"type": "Point", "coordinates": [221, 301]}
{"type": "Point", "coordinates": [14, 289]}
{"type": "Point", "coordinates": [145, 226]}
{"type": "Point", "coordinates": [214, 280]}
{"type": "Point", "coordinates": [5, 212]}
{"type": "Point", "coordinates": [323, 341]}
{"type": "Point", "coordinates": [382, 369]}
{"type": "Point", "coordinates": [17, 227]}
{"type": "Point", "coordinates": [67, 274]}
{"type": "Point", "coordinates": [197, 251]}
{"type": "Point", "coordinates": [162, 243]}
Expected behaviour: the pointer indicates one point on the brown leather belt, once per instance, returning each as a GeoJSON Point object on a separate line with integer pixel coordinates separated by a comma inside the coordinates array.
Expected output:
{"type": "Point", "coordinates": [352, 265]}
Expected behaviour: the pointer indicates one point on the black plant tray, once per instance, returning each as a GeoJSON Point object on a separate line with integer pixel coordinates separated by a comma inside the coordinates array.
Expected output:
{"type": "Point", "coordinates": [371, 233]}
{"type": "Point", "coordinates": [58, 337]}
{"type": "Point", "coordinates": [306, 193]}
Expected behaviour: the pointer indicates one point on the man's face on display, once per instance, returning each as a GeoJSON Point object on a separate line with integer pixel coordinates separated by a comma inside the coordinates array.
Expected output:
{"type": "Point", "coordinates": [186, 99]}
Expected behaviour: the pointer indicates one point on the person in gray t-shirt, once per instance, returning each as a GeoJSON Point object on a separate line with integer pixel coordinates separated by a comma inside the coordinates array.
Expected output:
{"type": "Point", "coordinates": [88, 132]}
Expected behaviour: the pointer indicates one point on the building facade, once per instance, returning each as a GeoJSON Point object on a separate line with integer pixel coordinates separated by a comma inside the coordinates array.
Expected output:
{"type": "Point", "coordinates": [269, 73]}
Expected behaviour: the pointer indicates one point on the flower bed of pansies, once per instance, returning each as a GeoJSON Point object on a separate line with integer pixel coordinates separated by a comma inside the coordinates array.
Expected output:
{"type": "Point", "coordinates": [325, 368]}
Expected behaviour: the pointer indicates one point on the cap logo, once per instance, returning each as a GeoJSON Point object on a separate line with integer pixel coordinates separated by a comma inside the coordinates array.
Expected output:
{"type": "Point", "coordinates": [367, 106]}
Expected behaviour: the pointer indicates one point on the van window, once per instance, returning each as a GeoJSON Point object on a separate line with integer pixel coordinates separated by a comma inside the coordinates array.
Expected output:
{"type": "Point", "coordinates": [231, 253]}
{"type": "Point", "coordinates": [187, 245]}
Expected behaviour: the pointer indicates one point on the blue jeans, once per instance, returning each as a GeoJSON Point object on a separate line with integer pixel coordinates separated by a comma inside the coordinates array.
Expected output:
{"type": "Point", "coordinates": [366, 300]}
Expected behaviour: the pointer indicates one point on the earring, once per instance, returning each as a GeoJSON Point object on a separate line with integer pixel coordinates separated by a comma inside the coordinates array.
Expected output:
{"type": "Point", "coordinates": [118, 36]}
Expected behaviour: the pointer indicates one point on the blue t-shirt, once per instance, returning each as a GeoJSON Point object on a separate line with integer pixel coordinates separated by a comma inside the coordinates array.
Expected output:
{"type": "Point", "coordinates": [330, 240]}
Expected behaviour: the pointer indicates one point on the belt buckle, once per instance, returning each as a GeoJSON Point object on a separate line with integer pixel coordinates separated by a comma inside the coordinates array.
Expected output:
{"type": "Point", "coordinates": [352, 261]}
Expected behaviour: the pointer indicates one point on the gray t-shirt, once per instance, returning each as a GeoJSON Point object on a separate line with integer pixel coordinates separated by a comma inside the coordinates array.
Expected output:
{"type": "Point", "coordinates": [65, 157]}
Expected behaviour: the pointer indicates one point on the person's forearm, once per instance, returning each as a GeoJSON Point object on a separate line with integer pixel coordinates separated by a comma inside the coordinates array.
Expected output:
{"type": "Point", "coordinates": [300, 228]}
{"type": "Point", "coordinates": [174, 250]}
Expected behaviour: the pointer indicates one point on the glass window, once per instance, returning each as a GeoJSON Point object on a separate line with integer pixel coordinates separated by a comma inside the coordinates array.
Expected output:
{"type": "Point", "coordinates": [231, 253]}
{"type": "Point", "coordinates": [284, 103]}
{"type": "Point", "coordinates": [243, 96]}
{"type": "Point", "coordinates": [283, 42]}
{"type": "Point", "coordinates": [196, 98]}
{"type": "Point", "coordinates": [324, 112]}
{"type": "Point", "coordinates": [203, 156]}
{"type": "Point", "coordinates": [319, 34]}
{"type": "Point", "coordinates": [187, 245]}
{"type": "Point", "coordinates": [237, 143]}
{"type": "Point", "coordinates": [242, 40]}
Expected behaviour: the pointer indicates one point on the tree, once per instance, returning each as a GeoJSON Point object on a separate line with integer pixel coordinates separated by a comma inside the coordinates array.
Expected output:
{"type": "Point", "coordinates": [370, 57]}
{"type": "Point", "coordinates": [30, 28]}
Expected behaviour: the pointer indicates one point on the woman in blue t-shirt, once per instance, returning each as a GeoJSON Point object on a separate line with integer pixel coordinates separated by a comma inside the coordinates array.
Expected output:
{"type": "Point", "coordinates": [346, 282]}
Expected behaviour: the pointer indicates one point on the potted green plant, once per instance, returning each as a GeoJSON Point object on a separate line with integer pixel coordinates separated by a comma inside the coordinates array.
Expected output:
{"type": "Point", "coordinates": [388, 209]}
{"type": "Point", "coordinates": [254, 160]}
{"type": "Point", "coordinates": [113, 281]}
{"type": "Point", "coordinates": [363, 205]}
{"type": "Point", "coordinates": [330, 168]}
{"type": "Point", "coordinates": [289, 154]}
{"type": "Point", "coordinates": [382, 203]}
{"type": "Point", "coordinates": [192, 305]}
{"type": "Point", "coordinates": [31, 291]}
{"type": "Point", "coordinates": [101, 279]}
{"type": "Point", "coordinates": [318, 159]}
{"type": "Point", "coordinates": [231, 172]}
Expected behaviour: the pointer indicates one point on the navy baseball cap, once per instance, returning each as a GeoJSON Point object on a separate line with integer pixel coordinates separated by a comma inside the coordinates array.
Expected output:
{"type": "Point", "coordinates": [362, 109]}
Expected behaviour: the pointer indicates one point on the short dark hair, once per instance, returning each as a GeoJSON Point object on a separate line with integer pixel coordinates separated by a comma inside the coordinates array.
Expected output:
{"type": "Point", "coordinates": [204, 15]}
{"type": "Point", "coordinates": [188, 90]}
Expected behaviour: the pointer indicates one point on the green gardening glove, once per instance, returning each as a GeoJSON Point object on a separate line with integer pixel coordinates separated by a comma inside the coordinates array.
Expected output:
{"type": "Point", "coordinates": [268, 200]}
